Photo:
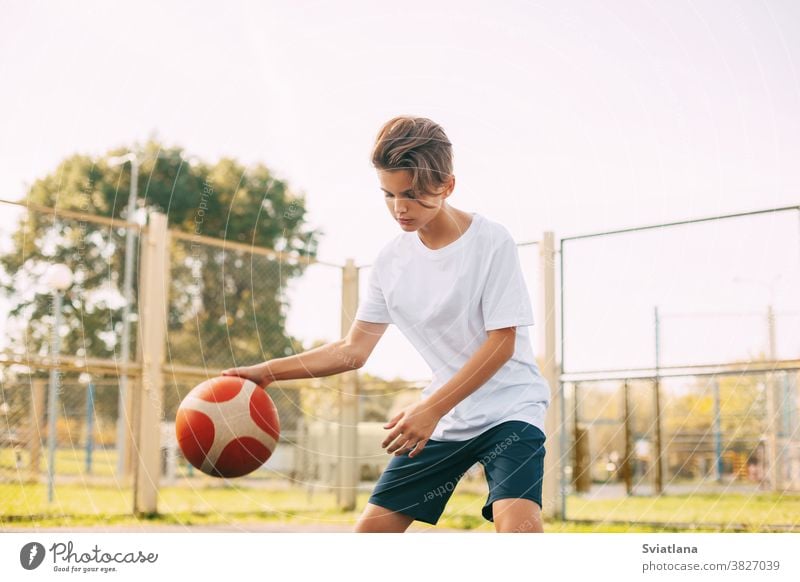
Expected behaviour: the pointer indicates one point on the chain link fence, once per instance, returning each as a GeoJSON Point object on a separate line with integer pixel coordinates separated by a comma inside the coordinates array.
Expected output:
{"type": "Point", "coordinates": [228, 305]}
{"type": "Point", "coordinates": [233, 305]}
{"type": "Point", "coordinates": [696, 323]}
{"type": "Point", "coordinates": [715, 435]}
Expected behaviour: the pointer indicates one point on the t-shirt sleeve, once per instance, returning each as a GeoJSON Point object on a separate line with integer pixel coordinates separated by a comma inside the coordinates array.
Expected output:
{"type": "Point", "coordinates": [373, 308]}
{"type": "Point", "coordinates": [505, 301]}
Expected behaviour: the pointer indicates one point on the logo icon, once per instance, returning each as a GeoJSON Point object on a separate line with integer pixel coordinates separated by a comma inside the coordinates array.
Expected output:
{"type": "Point", "coordinates": [31, 555]}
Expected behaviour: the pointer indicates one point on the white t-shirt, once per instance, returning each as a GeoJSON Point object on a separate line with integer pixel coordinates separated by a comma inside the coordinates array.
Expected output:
{"type": "Point", "coordinates": [444, 301]}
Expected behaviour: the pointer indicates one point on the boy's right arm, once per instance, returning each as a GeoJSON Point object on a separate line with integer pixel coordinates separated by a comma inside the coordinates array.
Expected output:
{"type": "Point", "coordinates": [348, 353]}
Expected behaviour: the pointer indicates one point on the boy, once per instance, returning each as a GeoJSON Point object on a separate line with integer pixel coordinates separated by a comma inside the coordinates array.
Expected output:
{"type": "Point", "coordinates": [451, 282]}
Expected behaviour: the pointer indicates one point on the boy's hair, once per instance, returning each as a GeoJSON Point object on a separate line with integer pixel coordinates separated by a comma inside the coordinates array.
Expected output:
{"type": "Point", "coordinates": [418, 145]}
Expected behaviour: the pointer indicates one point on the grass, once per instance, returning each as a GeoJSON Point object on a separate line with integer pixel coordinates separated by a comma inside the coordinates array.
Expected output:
{"type": "Point", "coordinates": [747, 511]}
{"type": "Point", "coordinates": [78, 505]}
{"type": "Point", "coordinates": [69, 461]}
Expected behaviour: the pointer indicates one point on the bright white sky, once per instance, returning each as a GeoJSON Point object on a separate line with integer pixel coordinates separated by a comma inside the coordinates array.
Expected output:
{"type": "Point", "coordinates": [572, 117]}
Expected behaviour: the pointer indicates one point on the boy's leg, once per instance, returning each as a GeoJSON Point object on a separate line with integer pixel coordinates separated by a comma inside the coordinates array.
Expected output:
{"type": "Point", "coordinates": [377, 519]}
{"type": "Point", "coordinates": [517, 516]}
{"type": "Point", "coordinates": [512, 455]}
{"type": "Point", "coordinates": [416, 488]}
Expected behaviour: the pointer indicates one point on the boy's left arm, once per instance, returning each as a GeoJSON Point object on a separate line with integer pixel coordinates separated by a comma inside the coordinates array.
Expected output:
{"type": "Point", "coordinates": [413, 426]}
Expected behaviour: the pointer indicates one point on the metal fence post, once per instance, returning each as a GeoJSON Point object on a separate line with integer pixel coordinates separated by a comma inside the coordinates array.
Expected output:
{"type": "Point", "coordinates": [348, 400]}
{"type": "Point", "coordinates": [552, 494]}
{"type": "Point", "coordinates": [153, 288]}
{"type": "Point", "coordinates": [718, 468]}
{"type": "Point", "coordinates": [89, 426]}
{"type": "Point", "coordinates": [773, 410]}
{"type": "Point", "coordinates": [658, 455]}
{"type": "Point", "coordinates": [627, 463]}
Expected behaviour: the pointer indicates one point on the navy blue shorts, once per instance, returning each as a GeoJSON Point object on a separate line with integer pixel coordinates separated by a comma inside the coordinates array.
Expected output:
{"type": "Point", "coordinates": [512, 455]}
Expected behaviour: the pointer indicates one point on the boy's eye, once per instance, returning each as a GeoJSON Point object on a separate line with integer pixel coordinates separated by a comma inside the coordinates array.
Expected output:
{"type": "Point", "coordinates": [409, 196]}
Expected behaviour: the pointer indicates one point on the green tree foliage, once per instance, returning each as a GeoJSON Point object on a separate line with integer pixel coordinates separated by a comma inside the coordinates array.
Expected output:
{"type": "Point", "coordinates": [687, 410]}
{"type": "Point", "coordinates": [226, 306]}
{"type": "Point", "coordinates": [742, 410]}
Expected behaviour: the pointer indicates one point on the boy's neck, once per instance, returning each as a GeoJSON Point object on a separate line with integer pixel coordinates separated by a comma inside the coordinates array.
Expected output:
{"type": "Point", "coordinates": [446, 228]}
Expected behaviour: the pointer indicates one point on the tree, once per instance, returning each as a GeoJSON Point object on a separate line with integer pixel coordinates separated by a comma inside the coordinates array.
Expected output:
{"type": "Point", "coordinates": [225, 306]}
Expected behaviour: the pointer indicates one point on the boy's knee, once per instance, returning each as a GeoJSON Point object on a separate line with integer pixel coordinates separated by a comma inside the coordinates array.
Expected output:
{"type": "Point", "coordinates": [378, 525]}
{"type": "Point", "coordinates": [377, 519]}
{"type": "Point", "coordinates": [517, 516]}
{"type": "Point", "coordinates": [368, 527]}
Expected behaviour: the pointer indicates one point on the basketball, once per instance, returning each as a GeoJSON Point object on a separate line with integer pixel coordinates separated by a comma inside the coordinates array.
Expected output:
{"type": "Point", "coordinates": [227, 426]}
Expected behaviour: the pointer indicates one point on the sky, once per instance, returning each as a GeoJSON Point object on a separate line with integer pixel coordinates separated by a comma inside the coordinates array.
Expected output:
{"type": "Point", "coordinates": [570, 117]}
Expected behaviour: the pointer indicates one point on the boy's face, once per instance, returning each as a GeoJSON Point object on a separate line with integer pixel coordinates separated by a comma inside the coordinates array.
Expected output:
{"type": "Point", "coordinates": [412, 212]}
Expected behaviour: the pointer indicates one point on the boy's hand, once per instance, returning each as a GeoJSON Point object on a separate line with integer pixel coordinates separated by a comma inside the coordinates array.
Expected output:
{"type": "Point", "coordinates": [258, 373]}
{"type": "Point", "coordinates": [413, 427]}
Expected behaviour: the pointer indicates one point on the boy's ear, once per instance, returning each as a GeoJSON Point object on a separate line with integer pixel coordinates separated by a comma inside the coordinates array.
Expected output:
{"type": "Point", "coordinates": [450, 186]}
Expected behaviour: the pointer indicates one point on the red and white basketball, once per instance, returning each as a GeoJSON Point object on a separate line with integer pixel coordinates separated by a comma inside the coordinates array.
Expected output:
{"type": "Point", "coordinates": [227, 426]}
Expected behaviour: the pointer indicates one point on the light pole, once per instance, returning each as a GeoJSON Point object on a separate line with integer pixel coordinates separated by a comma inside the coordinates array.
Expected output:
{"type": "Point", "coordinates": [58, 278]}
{"type": "Point", "coordinates": [86, 380]}
{"type": "Point", "coordinates": [123, 421]}
{"type": "Point", "coordinates": [127, 292]}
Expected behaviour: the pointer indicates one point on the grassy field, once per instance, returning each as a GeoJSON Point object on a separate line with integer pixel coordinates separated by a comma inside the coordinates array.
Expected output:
{"type": "Point", "coordinates": [85, 502]}
{"type": "Point", "coordinates": [83, 505]}
{"type": "Point", "coordinates": [68, 461]}
{"type": "Point", "coordinates": [753, 512]}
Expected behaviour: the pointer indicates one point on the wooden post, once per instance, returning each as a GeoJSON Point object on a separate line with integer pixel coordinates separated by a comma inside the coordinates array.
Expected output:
{"type": "Point", "coordinates": [348, 474]}
{"type": "Point", "coordinates": [131, 395]}
{"type": "Point", "coordinates": [583, 465]}
{"type": "Point", "coordinates": [627, 473]}
{"type": "Point", "coordinates": [774, 411]}
{"type": "Point", "coordinates": [581, 468]}
{"type": "Point", "coordinates": [37, 428]}
{"type": "Point", "coordinates": [552, 493]}
{"type": "Point", "coordinates": [153, 289]}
